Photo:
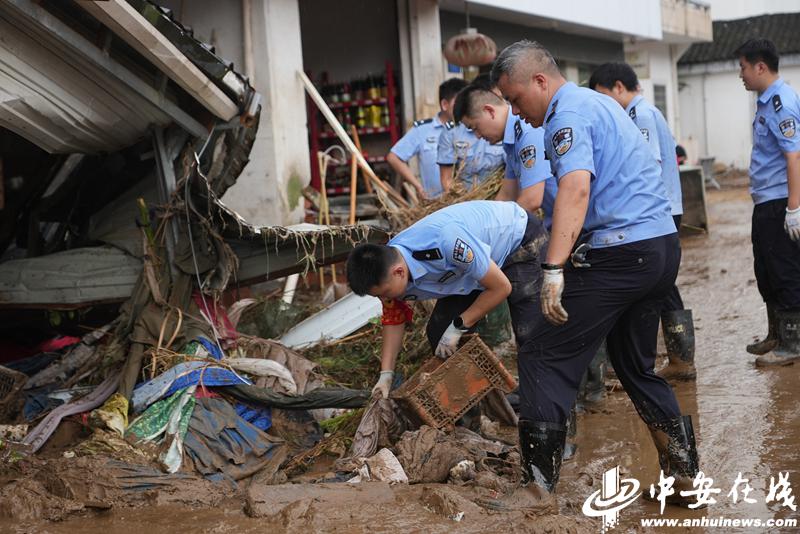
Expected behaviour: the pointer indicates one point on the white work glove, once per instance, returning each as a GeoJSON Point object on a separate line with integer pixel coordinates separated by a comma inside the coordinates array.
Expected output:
{"type": "Point", "coordinates": [449, 341]}
{"type": "Point", "coordinates": [792, 223]}
{"type": "Point", "coordinates": [552, 287]}
{"type": "Point", "coordinates": [384, 384]}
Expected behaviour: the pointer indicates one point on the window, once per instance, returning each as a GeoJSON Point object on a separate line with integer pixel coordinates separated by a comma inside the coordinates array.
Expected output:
{"type": "Point", "coordinates": [660, 98]}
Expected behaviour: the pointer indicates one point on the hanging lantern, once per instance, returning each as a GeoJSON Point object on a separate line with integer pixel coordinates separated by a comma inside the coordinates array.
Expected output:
{"type": "Point", "coordinates": [470, 48]}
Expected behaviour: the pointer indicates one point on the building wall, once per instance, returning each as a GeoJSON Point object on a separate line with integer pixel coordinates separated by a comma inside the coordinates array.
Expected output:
{"type": "Point", "coordinates": [564, 46]}
{"type": "Point", "coordinates": [641, 18]}
{"type": "Point", "coordinates": [739, 9]}
{"type": "Point", "coordinates": [717, 112]}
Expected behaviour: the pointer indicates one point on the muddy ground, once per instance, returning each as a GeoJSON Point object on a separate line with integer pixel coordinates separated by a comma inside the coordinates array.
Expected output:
{"type": "Point", "coordinates": [746, 420]}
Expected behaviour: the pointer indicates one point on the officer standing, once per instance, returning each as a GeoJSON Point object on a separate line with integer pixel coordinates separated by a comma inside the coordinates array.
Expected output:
{"type": "Point", "coordinates": [610, 192]}
{"type": "Point", "coordinates": [423, 141]}
{"type": "Point", "coordinates": [619, 81]}
{"type": "Point", "coordinates": [471, 256]}
{"type": "Point", "coordinates": [775, 189]}
{"type": "Point", "coordinates": [527, 172]}
{"type": "Point", "coordinates": [464, 155]}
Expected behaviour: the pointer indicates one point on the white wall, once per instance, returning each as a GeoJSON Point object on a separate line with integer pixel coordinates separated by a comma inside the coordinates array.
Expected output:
{"type": "Point", "coordinates": [641, 18]}
{"type": "Point", "coordinates": [739, 9]}
{"type": "Point", "coordinates": [717, 113]}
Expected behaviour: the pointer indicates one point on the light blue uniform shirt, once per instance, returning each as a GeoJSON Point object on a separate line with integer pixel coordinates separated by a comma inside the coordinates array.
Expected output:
{"type": "Point", "coordinates": [422, 140]}
{"type": "Point", "coordinates": [474, 159]}
{"type": "Point", "coordinates": [585, 130]}
{"type": "Point", "coordinates": [549, 201]}
{"type": "Point", "coordinates": [450, 250]}
{"type": "Point", "coordinates": [774, 134]}
{"type": "Point", "coordinates": [656, 132]}
{"type": "Point", "coordinates": [524, 148]}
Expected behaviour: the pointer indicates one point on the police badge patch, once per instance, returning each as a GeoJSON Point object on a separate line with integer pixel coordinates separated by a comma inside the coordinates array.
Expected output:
{"type": "Point", "coordinates": [462, 252]}
{"type": "Point", "coordinates": [562, 141]}
{"type": "Point", "coordinates": [645, 133]}
{"type": "Point", "coordinates": [528, 156]}
{"type": "Point", "coordinates": [787, 127]}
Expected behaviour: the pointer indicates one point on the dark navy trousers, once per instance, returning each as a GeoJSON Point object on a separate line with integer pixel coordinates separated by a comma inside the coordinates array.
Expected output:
{"type": "Point", "coordinates": [673, 301]}
{"type": "Point", "coordinates": [776, 258]}
{"type": "Point", "coordinates": [619, 298]}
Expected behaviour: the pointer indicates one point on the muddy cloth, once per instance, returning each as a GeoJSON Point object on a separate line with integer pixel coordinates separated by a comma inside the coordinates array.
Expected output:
{"type": "Point", "coordinates": [776, 258]}
{"type": "Point", "coordinates": [318, 398]}
{"type": "Point", "coordinates": [259, 417]}
{"type": "Point", "coordinates": [219, 441]}
{"type": "Point", "coordinates": [428, 454]}
{"type": "Point", "coordinates": [619, 298]}
{"type": "Point", "coordinates": [523, 270]}
{"type": "Point", "coordinates": [380, 426]}
{"type": "Point", "coordinates": [181, 376]}
{"type": "Point", "coordinates": [33, 364]}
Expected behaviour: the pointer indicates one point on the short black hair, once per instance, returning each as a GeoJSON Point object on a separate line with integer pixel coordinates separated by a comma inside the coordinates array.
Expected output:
{"type": "Point", "coordinates": [484, 81]}
{"type": "Point", "coordinates": [368, 266]}
{"type": "Point", "coordinates": [470, 98]}
{"type": "Point", "coordinates": [755, 50]}
{"type": "Point", "coordinates": [450, 88]}
{"type": "Point", "coordinates": [609, 74]}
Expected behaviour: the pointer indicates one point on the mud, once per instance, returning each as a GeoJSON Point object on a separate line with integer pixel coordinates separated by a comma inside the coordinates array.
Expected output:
{"type": "Point", "coordinates": [746, 420]}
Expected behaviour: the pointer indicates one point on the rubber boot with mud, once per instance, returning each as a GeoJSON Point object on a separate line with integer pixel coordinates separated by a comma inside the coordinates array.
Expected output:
{"type": "Point", "coordinates": [677, 455]}
{"type": "Point", "coordinates": [541, 448]}
{"type": "Point", "coordinates": [788, 349]}
{"type": "Point", "coordinates": [763, 346]}
{"type": "Point", "coordinates": [678, 329]}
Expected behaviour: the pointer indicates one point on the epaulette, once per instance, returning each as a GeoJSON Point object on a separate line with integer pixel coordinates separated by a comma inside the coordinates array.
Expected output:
{"type": "Point", "coordinates": [422, 121]}
{"type": "Point", "coordinates": [449, 125]}
{"type": "Point", "coordinates": [777, 105]}
{"type": "Point", "coordinates": [552, 113]}
{"type": "Point", "coordinates": [632, 113]}
{"type": "Point", "coordinates": [517, 129]}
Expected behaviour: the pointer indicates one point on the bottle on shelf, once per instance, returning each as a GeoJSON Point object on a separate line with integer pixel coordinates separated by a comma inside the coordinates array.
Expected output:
{"type": "Point", "coordinates": [345, 96]}
{"type": "Point", "coordinates": [361, 117]}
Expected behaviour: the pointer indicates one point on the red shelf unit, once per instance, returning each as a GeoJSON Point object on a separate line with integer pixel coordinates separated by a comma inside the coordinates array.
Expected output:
{"type": "Point", "coordinates": [319, 139]}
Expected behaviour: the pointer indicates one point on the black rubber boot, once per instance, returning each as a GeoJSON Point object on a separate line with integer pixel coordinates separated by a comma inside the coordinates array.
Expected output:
{"type": "Point", "coordinates": [678, 329]}
{"type": "Point", "coordinates": [541, 449]}
{"type": "Point", "coordinates": [677, 455]}
{"type": "Point", "coordinates": [763, 346]}
{"type": "Point", "coordinates": [787, 350]}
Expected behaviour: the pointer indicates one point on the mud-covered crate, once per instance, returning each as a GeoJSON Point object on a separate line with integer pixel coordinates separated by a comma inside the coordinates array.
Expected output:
{"type": "Point", "coordinates": [11, 383]}
{"type": "Point", "coordinates": [441, 392]}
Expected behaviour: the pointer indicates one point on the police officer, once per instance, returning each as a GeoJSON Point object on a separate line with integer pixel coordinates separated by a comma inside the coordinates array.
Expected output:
{"type": "Point", "coordinates": [610, 191]}
{"type": "Point", "coordinates": [464, 155]}
{"type": "Point", "coordinates": [471, 256]}
{"type": "Point", "coordinates": [619, 81]}
{"type": "Point", "coordinates": [527, 172]}
{"type": "Point", "coordinates": [775, 188]}
{"type": "Point", "coordinates": [423, 141]}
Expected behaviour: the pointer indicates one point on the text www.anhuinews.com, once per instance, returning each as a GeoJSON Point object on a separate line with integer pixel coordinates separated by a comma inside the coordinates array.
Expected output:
{"type": "Point", "coordinates": [718, 522]}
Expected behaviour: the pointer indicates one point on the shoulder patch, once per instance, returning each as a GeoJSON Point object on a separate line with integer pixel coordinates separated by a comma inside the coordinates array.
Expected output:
{"type": "Point", "coordinates": [446, 276]}
{"type": "Point", "coordinates": [787, 127]}
{"type": "Point", "coordinates": [645, 133]}
{"type": "Point", "coordinates": [517, 129]}
{"type": "Point", "coordinates": [632, 113]}
{"type": "Point", "coordinates": [528, 156]}
{"type": "Point", "coordinates": [449, 125]}
{"type": "Point", "coordinates": [562, 141]}
{"type": "Point", "coordinates": [777, 105]}
{"type": "Point", "coordinates": [462, 252]}
{"type": "Point", "coordinates": [427, 255]}
{"type": "Point", "coordinates": [422, 121]}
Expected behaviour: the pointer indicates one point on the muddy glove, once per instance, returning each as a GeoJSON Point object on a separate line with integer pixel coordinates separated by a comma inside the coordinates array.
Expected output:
{"type": "Point", "coordinates": [384, 384]}
{"type": "Point", "coordinates": [792, 223]}
{"type": "Point", "coordinates": [449, 340]}
{"type": "Point", "coordinates": [552, 287]}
